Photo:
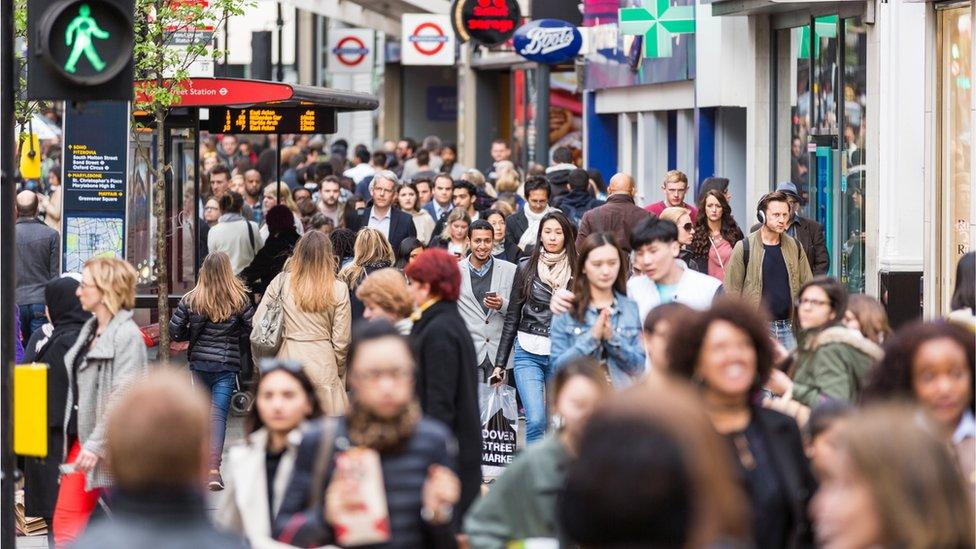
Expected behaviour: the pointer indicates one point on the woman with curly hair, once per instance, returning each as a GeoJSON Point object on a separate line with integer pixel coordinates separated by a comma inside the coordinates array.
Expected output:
{"type": "Point", "coordinates": [716, 232]}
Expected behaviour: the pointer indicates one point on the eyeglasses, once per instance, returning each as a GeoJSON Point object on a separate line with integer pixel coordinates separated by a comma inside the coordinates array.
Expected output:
{"type": "Point", "coordinates": [688, 227]}
{"type": "Point", "coordinates": [814, 302]}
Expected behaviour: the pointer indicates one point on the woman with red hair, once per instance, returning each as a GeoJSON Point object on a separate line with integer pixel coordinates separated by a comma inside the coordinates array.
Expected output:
{"type": "Point", "coordinates": [447, 383]}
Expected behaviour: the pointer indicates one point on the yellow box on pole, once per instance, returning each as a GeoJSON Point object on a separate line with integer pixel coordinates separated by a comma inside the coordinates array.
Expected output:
{"type": "Point", "coordinates": [30, 410]}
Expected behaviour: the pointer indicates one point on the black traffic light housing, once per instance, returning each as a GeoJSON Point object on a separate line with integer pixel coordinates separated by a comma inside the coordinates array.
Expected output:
{"type": "Point", "coordinates": [80, 50]}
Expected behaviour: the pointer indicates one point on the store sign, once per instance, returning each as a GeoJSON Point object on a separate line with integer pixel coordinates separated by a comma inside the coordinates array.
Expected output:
{"type": "Point", "coordinates": [94, 164]}
{"type": "Point", "coordinates": [272, 120]}
{"type": "Point", "coordinates": [488, 22]}
{"type": "Point", "coordinates": [350, 50]}
{"type": "Point", "coordinates": [658, 25]}
{"type": "Point", "coordinates": [547, 41]}
{"type": "Point", "coordinates": [427, 40]}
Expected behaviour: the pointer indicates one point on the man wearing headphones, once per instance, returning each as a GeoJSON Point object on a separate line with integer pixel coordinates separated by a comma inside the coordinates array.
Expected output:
{"type": "Point", "coordinates": [768, 267]}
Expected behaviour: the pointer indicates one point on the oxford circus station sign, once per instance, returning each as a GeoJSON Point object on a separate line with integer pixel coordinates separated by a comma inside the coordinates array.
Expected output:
{"type": "Point", "coordinates": [547, 41]}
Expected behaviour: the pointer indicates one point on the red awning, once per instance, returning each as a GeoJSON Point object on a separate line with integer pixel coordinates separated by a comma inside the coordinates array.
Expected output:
{"type": "Point", "coordinates": [239, 92]}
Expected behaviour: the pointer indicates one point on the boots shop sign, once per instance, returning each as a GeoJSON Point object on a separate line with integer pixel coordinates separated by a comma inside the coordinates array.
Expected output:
{"type": "Point", "coordinates": [547, 41]}
{"type": "Point", "coordinates": [487, 22]}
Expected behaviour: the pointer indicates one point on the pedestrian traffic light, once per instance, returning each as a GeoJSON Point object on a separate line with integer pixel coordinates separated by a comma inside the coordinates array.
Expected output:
{"type": "Point", "coordinates": [79, 50]}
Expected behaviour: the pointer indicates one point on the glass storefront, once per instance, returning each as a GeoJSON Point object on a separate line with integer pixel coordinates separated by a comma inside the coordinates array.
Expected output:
{"type": "Point", "coordinates": [955, 43]}
{"type": "Point", "coordinates": [819, 114]}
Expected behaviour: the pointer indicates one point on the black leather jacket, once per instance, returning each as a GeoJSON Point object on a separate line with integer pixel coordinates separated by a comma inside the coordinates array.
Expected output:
{"type": "Point", "coordinates": [211, 341]}
{"type": "Point", "coordinates": [526, 313]}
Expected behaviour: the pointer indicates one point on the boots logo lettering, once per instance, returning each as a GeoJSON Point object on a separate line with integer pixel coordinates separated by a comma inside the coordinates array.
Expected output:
{"type": "Point", "coordinates": [547, 41]}
{"type": "Point", "coordinates": [543, 40]}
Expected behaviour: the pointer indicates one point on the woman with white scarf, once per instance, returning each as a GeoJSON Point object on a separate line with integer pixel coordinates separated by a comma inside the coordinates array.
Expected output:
{"type": "Point", "coordinates": [527, 321]}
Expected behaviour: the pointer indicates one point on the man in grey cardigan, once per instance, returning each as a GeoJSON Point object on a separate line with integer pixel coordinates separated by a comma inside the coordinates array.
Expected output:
{"type": "Point", "coordinates": [38, 262]}
{"type": "Point", "coordinates": [486, 283]}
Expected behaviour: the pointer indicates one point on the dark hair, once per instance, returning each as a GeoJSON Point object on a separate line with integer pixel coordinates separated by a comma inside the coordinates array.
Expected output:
{"type": "Point", "coordinates": [730, 231]}
{"type": "Point", "coordinates": [231, 202]}
{"type": "Point", "coordinates": [685, 345]}
{"type": "Point", "coordinates": [453, 148]}
{"type": "Point", "coordinates": [836, 293]}
{"type": "Point", "coordinates": [407, 245]}
{"type": "Point", "coordinates": [893, 378]}
{"type": "Point", "coordinates": [219, 168]}
{"type": "Point", "coordinates": [362, 154]}
{"type": "Point", "coordinates": [597, 177]}
{"type": "Point", "coordinates": [500, 141]}
{"type": "Point", "coordinates": [366, 331]}
{"type": "Point", "coordinates": [651, 230]}
{"type": "Point", "coordinates": [300, 190]}
{"type": "Point", "coordinates": [466, 185]}
{"type": "Point", "coordinates": [720, 184]}
{"type": "Point", "coordinates": [665, 312]}
{"type": "Point", "coordinates": [480, 225]}
{"type": "Point", "coordinates": [320, 220]}
{"type": "Point", "coordinates": [581, 284]}
{"type": "Point", "coordinates": [343, 242]}
{"type": "Point", "coordinates": [964, 294]}
{"type": "Point", "coordinates": [569, 237]}
{"type": "Point", "coordinates": [562, 155]}
{"type": "Point", "coordinates": [379, 158]}
{"type": "Point", "coordinates": [537, 183]}
{"type": "Point", "coordinates": [775, 196]}
{"type": "Point", "coordinates": [411, 144]}
{"type": "Point", "coordinates": [423, 157]}
{"type": "Point", "coordinates": [823, 415]}
{"type": "Point", "coordinates": [294, 370]}
{"type": "Point", "coordinates": [279, 218]}
{"type": "Point", "coordinates": [330, 179]}
{"type": "Point", "coordinates": [578, 180]}
{"type": "Point", "coordinates": [435, 266]}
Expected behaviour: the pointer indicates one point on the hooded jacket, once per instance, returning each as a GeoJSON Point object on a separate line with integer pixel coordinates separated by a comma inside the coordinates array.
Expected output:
{"type": "Point", "coordinates": [832, 363]}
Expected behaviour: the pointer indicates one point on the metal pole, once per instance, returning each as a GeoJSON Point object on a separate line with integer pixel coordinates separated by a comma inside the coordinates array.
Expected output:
{"type": "Point", "coordinates": [281, 23]}
{"type": "Point", "coordinates": [278, 167]}
{"type": "Point", "coordinates": [7, 278]}
{"type": "Point", "coordinates": [542, 114]}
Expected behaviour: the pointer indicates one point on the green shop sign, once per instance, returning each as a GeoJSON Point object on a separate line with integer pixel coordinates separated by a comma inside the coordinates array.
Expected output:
{"type": "Point", "coordinates": [658, 23]}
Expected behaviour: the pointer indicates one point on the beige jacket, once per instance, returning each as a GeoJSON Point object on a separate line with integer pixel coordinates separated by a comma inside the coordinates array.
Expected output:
{"type": "Point", "coordinates": [319, 341]}
{"type": "Point", "coordinates": [243, 507]}
{"type": "Point", "coordinates": [747, 282]}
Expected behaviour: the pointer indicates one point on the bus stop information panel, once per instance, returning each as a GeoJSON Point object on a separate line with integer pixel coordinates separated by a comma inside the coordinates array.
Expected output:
{"type": "Point", "coordinates": [272, 120]}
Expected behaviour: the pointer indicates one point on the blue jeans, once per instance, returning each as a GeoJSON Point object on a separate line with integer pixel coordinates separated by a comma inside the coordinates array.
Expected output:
{"type": "Point", "coordinates": [32, 317]}
{"type": "Point", "coordinates": [532, 373]}
{"type": "Point", "coordinates": [782, 330]}
{"type": "Point", "coordinates": [221, 386]}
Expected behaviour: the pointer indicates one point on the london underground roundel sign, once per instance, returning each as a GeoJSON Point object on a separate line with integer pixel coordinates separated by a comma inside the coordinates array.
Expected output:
{"type": "Point", "coordinates": [350, 51]}
{"type": "Point", "coordinates": [547, 41]}
{"type": "Point", "coordinates": [428, 38]}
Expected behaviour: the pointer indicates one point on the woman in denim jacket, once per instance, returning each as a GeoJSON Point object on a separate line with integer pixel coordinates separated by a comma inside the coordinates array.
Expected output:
{"type": "Point", "coordinates": [603, 323]}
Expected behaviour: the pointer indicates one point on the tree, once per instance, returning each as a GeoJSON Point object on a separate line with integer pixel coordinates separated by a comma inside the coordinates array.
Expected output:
{"type": "Point", "coordinates": [162, 73]}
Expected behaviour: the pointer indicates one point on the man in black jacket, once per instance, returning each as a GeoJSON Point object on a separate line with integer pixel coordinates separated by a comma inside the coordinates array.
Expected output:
{"type": "Point", "coordinates": [416, 454]}
{"type": "Point", "coordinates": [578, 200]}
{"type": "Point", "coordinates": [394, 224]}
{"type": "Point", "coordinates": [808, 232]}
{"type": "Point", "coordinates": [157, 435]}
{"type": "Point", "coordinates": [447, 381]}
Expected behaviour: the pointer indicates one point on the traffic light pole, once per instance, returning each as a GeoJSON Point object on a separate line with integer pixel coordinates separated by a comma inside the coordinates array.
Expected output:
{"type": "Point", "coordinates": [7, 279]}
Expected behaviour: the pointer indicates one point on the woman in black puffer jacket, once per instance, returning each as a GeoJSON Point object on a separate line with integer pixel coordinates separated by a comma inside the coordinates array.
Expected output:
{"type": "Point", "coordinates": [215, 316]}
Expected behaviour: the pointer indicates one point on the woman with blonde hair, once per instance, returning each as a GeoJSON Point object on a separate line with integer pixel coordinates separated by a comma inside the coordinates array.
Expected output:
{"type": "Point", "coordinates": [385, 295]}
{"type": "Point", "coordinates": [213, 317]}
{"type": "Point", "coordinates": [371, 252]}
{"type": "Point", "coordinates": [108, 355]}
{"type": "Point", "coordinates": [316, 320]}
{"type": "Point", "coordinates": [892, 483]}
{"type": "Point", "coordinates": [279, 193]}
{"type": "Point", "coordinates": [454, 237]}
{"type": "Point", "coordinates": [686, 233]}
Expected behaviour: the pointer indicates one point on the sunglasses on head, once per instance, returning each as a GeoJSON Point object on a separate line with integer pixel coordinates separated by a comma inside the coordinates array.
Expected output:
{"type": "Point", "coordinates": [268, 365]}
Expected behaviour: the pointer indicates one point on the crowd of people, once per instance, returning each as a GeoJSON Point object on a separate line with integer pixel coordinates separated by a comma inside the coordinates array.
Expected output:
{"type": "Point", "coordinates": [683, 382]}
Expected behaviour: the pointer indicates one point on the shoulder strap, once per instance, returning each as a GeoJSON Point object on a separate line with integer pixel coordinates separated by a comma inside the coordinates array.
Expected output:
{"type": "Point", "coordinates": [745, 253]}
{"type": "Point", "coordinates": [250, 233]}
{"type": "Point", "coordinates": [323, 457]}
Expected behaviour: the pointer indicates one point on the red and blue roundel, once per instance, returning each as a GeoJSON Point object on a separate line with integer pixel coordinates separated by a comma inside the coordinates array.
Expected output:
{"type": "Point", "coordinates": [547, 41]}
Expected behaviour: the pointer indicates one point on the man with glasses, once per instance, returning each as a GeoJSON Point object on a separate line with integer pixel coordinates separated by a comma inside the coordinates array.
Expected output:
{"type": "Point", "coordinates": [675, 187]}
{"type": "Point", "coordinates": [395, 225]}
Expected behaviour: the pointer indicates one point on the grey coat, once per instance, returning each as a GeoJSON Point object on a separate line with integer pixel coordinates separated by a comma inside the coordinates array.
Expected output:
{"type": "Point", "coordinates": [486, 329]}
{"type": "Point", "coordinates": [117, 359]}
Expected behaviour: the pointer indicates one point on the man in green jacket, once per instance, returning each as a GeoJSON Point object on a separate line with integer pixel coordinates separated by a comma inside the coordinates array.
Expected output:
{"type": "Point", "coordinates": [768, 267]}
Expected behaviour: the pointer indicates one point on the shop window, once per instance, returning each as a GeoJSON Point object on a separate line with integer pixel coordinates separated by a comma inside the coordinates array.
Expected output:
{"type": "Point", "coordinates": [955, 138]}
{"type": "Point", "coordinates": [852, 160]}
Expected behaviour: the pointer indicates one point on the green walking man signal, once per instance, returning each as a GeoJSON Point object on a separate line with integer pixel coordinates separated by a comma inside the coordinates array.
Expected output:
{"type": "Point", "coordinates": [81, 30]}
